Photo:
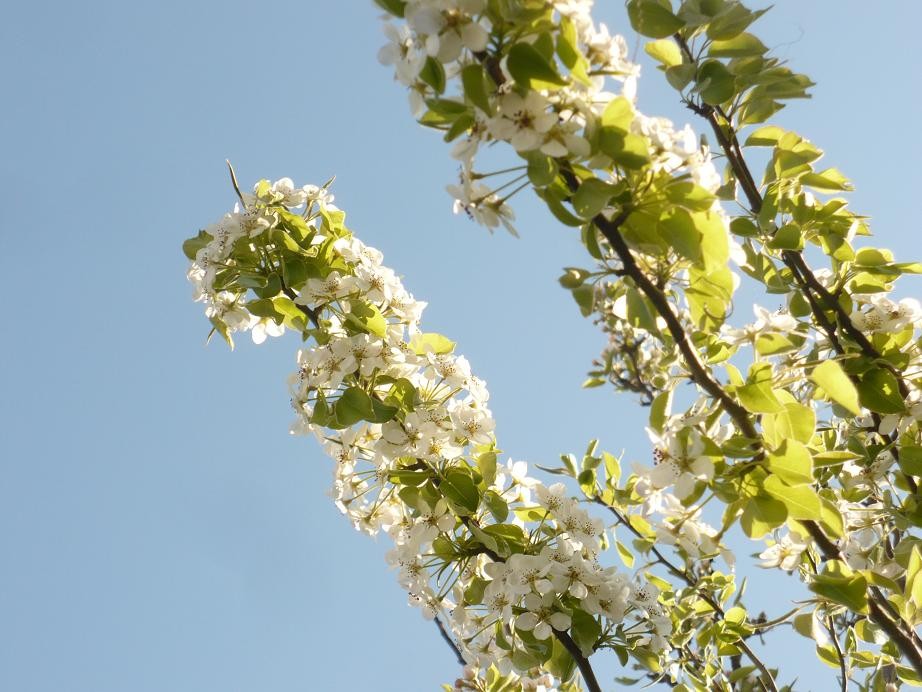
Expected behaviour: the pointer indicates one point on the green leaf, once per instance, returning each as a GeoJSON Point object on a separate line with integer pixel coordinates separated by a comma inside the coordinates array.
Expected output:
{"type": "Point", "coordinates": [659, 410]}
{"type": "Point", "coordinates": [497, 505]}
{"type": "Point", "coordinates": [509, 538]}
{"type": "Point", "coordinates": [788, 237]}
{"type": "Point", "coordinates": [612, 467]}
{"type": "Point", "coordinates": [772, 344]}
{"type": "Point", "coordinates": [831, 519]}
{"type": "Point", "coordinates": [829, 179]}
{"type": "Point", "coordinates": [796, 422]}
{"type": "Point", "coordinates": [486, 465]}
{"type": "Point", "coordinates": [679, 231]}
{"type": "Point", "coordinates": [585, 298]}
{"type": "Point", "coordinates": [873, 257]}
{"type": "Point", "coordinates": [911, 460]}
{"type": "Point", "coordinates": [561, 665]}
{"type": "Point", "coordinates": [585, 631]}
{"type": "Point", "coordinates": [652, 18]}
{"type": "Point", "coordinates": [402, 394]}
{"type": "Point", "coordinates": [715, 82]}
{"type": "Point", "coordinates": [394, 7]}
{"type": "Point", "coordinates": [263, 308]}
{"type": "Point", "coordinates": [618, 114]}
{"type": "Point", "coordinates": [560, 212]}
{"type": "Point", "coordinates": [909, 676]}
{"type": "Point", "coordinates": [731, 21]}
{"type": "Point", "coordinates": [382, 412]}
{"type": "Point", "coordinates": [475, 87]}
{"type": "Point", "coordinates": [430, 342]}
{"type": "Point", "coordinates": [736, 47]}
{"type": "Point", "coordinates": [542, 169]}
{"type": "Point", "coordinates": [460, 490]}
{"type": "Point", "coordinates": [433, 74]}
{"type": "Point", "coordinates": [791, 462]}
{"type": "Point", "coordinates": [761, 514]}
{"type": "Point", "coordinates": [767, 136]}
{"type": "Point", "coordinates": [850, 592]}
{"type": "Point", "coordinates": [801, 501]}
{"type": "Point", "coordinates": [191, 246]}
{"type": "Point", "coordinates": [354, 405]}
{"type": "Point", "coordinates": [759, 398]}
{"type": "Point", "coordinates": [591, 197]}
{"type": "Point", "coordinates": [627, 150]}
{"type": "Point", "coordinates": [531, 69]}
{"type": "Point", "coordinates": [680, 76]}
{"type": "Point", "coordinates": [367, 318]}
{"type": "Point", "coordinates": [664, 51]}
{"type": "Point", "coordinates": [835, 384]}
{"type": "Point", "coordinates": [627, 557]}
{"type": "Point", "coordinates": [879, 391]}
{"type": "Point", "coordinates": [715, 243]}
{"type": "Point", "coordinates": [913, 590]}
{"type": "Point", "coordinates": [573, 277]}
{"type": "Point", "coordinates": [321, 414]}
{"type": "Point", "coordinates": [690, 196]}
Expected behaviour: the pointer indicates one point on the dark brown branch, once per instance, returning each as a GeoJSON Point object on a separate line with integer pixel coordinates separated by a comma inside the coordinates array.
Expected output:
{"type": "Point", "coordinates": [582, 662]}
{"type": "Point", "coordinates": [908, 641]}
{"type": "Point", "coordinates": [831, 626]}
{"type": "Point", "coordinates": [451, 642]}
{"type": "Point", "coordinates": [610, 229]}
{"type": "Point", "coordinates": [311, 314]}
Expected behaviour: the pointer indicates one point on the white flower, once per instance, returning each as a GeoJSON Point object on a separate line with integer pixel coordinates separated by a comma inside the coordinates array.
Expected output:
{"type": "Point", "coordinates": [480, 203]}
{"type": "Point", "coordinates": [881, 314]}
{"type": "Point", "coordinates": [679, 460]}
{"type": "Point", "coordinates": [320, 195]}
{"type": "Point", "coordinates": [265, 327]}
{"type": "Point", "coordinates": [319, 291]}
{"type": "Point", "coordinates": [473, 425]}
{"type": "Point", "coordinates": [284, 192]}
{"type": "Point", "coordinates": [542, 616]}
{"type": "Point", "coordinates": [784, 553]}
{"type": "Point", "coordinates": [766, 323]}
{"type": "Point", "coordinates": [449, 27]}
{"type": "Point", "coordinates": [522, 122]}
{"type": "Point", "coordinates": [403, 52]}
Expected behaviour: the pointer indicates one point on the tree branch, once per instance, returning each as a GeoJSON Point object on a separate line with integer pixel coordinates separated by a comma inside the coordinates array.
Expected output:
{"type": "Point", "coordinates": [687, 578]}
{"type": "Point", "coordinates": [830, 625]}
{"type": "Point", "coordinates": [449, 641]}
{"type": "Point", "coordinates": [908, 641]}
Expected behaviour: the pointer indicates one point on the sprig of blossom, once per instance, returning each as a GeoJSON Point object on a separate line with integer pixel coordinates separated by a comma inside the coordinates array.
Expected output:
{"type": "Point", "coordinates": [505, 561]}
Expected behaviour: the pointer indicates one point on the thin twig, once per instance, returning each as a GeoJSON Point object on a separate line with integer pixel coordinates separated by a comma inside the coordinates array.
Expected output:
{"type": "Point", "coordinates": [448, 640]}
{"type": "Point", "coordinates": [831, 626]}
{"type": "Point", "coordinates": [687, 578]}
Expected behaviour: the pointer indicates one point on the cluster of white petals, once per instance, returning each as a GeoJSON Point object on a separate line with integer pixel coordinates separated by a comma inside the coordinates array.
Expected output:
{"type": "Point", "coordinates": [403, 418]}
{"type": "Point", "coordinates": [554, 121]}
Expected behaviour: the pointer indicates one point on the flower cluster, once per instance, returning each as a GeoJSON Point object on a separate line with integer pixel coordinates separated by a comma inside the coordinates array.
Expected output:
{"type": "Point", "coordinates": [506, 562]}
{"type": "Point", "coordinates": [515, 91]}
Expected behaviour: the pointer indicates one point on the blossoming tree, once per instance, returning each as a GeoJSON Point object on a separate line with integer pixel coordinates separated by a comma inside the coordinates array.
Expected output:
{"type": "Point", "coordinates": [803, 430]}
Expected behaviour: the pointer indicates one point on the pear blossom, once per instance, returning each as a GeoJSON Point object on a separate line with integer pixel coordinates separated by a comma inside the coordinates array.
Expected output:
{"type": "Point", "coordinates": [522, 122]}
{"type": "Point", "coordinates": [542, 615]}
{"type": "Point", "coordinates": [784, 553]}
{"type": "Point", "coordinates": [403, 51]}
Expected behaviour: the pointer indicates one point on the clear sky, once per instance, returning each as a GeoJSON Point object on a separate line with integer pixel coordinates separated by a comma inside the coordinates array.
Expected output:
{"type": "Point", "coordinates": [159, 530]}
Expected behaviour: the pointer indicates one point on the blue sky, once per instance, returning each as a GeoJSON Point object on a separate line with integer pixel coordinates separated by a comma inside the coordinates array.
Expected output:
{"type": "Point", "coordinates": [159, 530]}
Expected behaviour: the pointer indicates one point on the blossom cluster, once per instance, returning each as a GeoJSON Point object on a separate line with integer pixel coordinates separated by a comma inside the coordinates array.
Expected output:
{"type": "Point", "coordinates": [550, 113]}
{"type": "Point", "coordinates": [503, 560]}
{"type": "Point", "coordinates": [815, 445]}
